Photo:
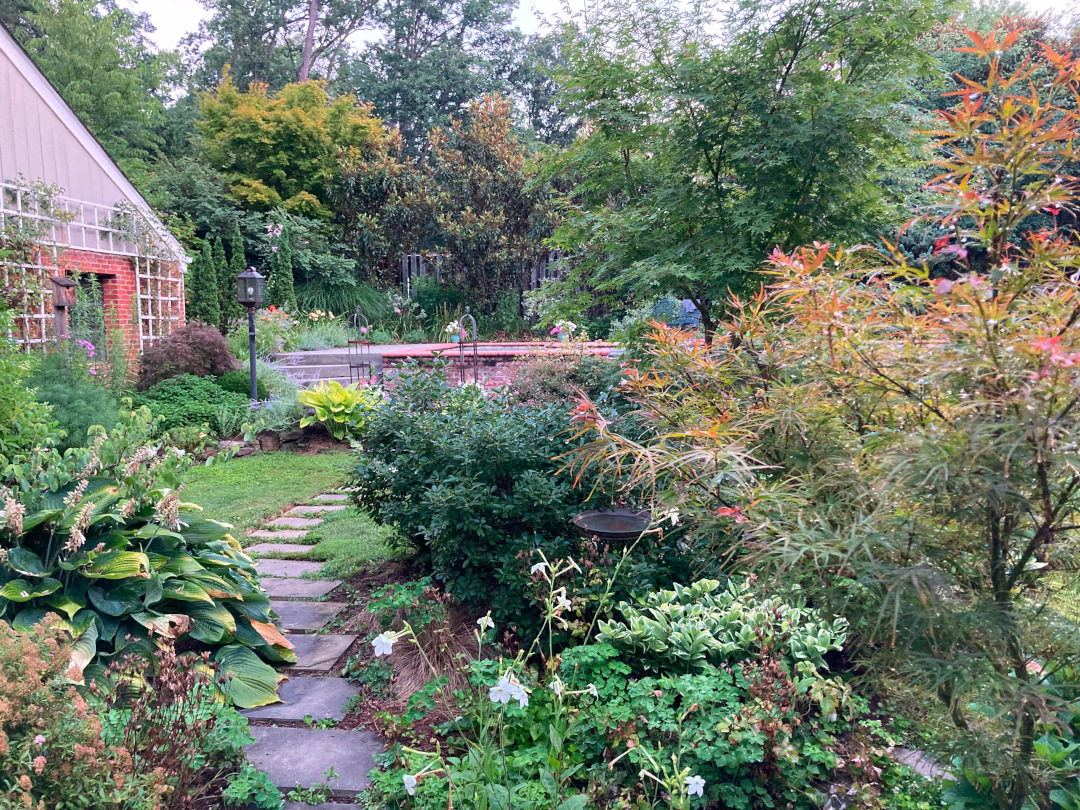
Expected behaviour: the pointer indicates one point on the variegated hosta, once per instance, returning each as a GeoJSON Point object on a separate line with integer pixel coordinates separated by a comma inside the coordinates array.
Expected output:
{"type": "Point", "coordinates": [117, 556]}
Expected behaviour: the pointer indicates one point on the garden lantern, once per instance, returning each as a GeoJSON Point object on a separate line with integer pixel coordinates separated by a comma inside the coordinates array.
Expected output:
{"type": "Point", "coordinates": [251, 292]}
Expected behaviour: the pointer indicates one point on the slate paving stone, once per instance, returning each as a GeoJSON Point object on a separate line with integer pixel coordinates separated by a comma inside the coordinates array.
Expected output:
{"type": "Point", "coordinates": [284, 534]}
{"type": "Point", "coordinates": [278, 588]}
{"type": "Point", "coordinates": [300, 511]}
{"type": "Point", "coordinates": [278, 548]}
{"type": "Point", "coordinates": [305, 617]}
{"type": "Point", "coordinates": [300, 756]}
{"type": "Point", "coordinates": [323, 806]}
{"type": "Point", "coordinates": [294, 522]}
{"type": "Point", "coordinates": [319, 653]}
{"type": "Point", "coordinates": [331, 496]}
{"type": "Point", "coordinates": [301, 697]}
{"type": "Point", "coordinates": [286, 568]}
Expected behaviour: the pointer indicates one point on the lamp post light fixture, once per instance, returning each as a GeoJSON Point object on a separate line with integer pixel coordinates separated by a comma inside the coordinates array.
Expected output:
{"type": "Point", "coordinates": [251, 292]}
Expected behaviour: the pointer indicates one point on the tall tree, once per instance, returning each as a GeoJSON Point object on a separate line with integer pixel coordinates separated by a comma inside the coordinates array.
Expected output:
{"type": "Point", "coordinates": [433, 58]}
{"type": "Point", "coordinates": [285, 148]}
{"type": "Point", "coordinates": [203, 295]}
{"type": "Point", "coordinates": [704, 152]}
{"type": "Point", "coordinates": [225, 286]}
{"type": "Point", "coordinates": [237, 265]}
{"type": "Point", "coordinates": [273, 41]}
{"type": "Point", "coordinates": [100, 58]}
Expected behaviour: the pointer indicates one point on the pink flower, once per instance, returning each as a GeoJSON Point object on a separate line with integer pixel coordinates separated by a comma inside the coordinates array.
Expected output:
{"type": "Point", "coordinates": [363, 330]}
{"type": "Point", "coordinates": [397, 310]}
{"type": "Point", "coordinates": [93, 371]}
{"type": "Point", "coordinates": [943, 286]}
{"type": "Point", "coordinates": [269, 228]}
{"type": "Point", "coordinates": [273, 249]}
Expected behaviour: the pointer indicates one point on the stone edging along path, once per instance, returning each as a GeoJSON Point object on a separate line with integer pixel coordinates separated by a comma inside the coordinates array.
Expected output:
{"type": "Point", "coordinates": [292, 755]}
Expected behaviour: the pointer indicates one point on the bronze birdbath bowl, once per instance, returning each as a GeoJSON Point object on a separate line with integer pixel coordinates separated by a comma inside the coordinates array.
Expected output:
{"type": "Point", "coordinates": [613, 525]}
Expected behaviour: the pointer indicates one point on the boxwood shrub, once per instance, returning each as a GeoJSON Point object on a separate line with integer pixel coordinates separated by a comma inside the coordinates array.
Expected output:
{"type": "Point", "coordinates": [188, 400]}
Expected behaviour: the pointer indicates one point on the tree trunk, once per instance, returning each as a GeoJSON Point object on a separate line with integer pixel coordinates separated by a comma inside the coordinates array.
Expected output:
{"type": "Point", "coordinates": [309, 41]}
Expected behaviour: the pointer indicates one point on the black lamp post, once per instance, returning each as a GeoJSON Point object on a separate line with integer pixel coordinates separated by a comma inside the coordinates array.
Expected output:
{"type": "Point", "coordinates": [251, 292]}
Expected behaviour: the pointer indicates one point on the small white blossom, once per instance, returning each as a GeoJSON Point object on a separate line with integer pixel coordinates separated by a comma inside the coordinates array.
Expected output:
{"type": "Point", "coordinates": [485, 622]}
{"type": "Point", "coordinates": [557, 687]}
{"type": "Point", "coordinates": [509, 688]}
{"type": "Point", "coordinates": [562, 603]}
{"type": "Point", "coordinates": [539, 568]}
{"type": "Point", "coordinates": [384, 644]}
{"type": "Point", "coordinates": [695, 786]}
{"type": "Point", "coordinates": [410, 783]}
{"type": "Point", "coordinates": [591, 689]}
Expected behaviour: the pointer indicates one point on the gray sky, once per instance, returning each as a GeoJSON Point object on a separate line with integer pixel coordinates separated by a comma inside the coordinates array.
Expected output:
{"type": "Point", "coordinates": [175, 18]}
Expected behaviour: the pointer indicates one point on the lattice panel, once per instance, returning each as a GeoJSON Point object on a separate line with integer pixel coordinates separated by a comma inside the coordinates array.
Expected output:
{"type": "Point", "coordinates": [160, 297]}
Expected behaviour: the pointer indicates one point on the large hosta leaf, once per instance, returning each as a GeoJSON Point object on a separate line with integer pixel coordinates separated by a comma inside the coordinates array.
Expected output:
{"type": "Point", "coordinates": [26, 619]}
{"type": "Point", "coordinates": [248, 681]}
{"type": "Point", "coordinates": [200, 530]}
{"type": "Point", "coordinates": [119, 565]}
{"type": "Point", "coordinates": [248, 636]}
{"type": "Point", "coordinates": [185, 590]}
{"type": "Point", "coordinates": [120, 601]}
{"type": "Point", "coordinates": [24, 561]}
{"type": "Point", "coordinates": [70, 603]}
{"type": "Point", "coordinates": [210, 623]}
{"type": "Point", "coordinates": [82, 653]}
{"type": "Point", "coordinates": [20, 590]}
{"type": "Point", "coordinates": [169, 625]}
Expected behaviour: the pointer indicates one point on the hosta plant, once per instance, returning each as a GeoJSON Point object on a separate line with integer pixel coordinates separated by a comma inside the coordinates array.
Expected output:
{"type": "Point", "coordinates": [692, 626]}
{"type": "Point", "coordinates": [110, 551]}
{"type": "Point", "coordinates": [342, 410]}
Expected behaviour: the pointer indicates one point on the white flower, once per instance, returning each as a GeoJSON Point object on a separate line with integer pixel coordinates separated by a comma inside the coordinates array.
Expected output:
{"type": "Point", "coordinates": [695, 786]}
{"type": "Point", "coordinates": [384, 644]}
{"type": "Point", "coordinates": [557, 687]}
{"type": "Point", "coordinates": [509, 688]}
{"type": "Point", "coordinates": [591, 689]}
{"type": "Point", "coordinates": [539, 568]}
{"type": "Point", "coordinates": [410, 783]}
{"type": "Point", "coordinates": [485, 623]}
{"type": "Point", "coordinates": [562, 603]}
{"type": "Point", "coordinates": [673, 516]}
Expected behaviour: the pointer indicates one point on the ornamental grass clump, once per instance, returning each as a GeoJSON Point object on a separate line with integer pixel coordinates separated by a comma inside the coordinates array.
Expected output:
{"type": "Point", "coordinates": [902, 447]}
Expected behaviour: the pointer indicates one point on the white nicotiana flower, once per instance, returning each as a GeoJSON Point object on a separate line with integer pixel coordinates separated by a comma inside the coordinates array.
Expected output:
{"type": "Point", "coordinates": [562, 603]}
{"type": "Point", "coordinates": [509, 688]}
{"type": "Point", "coordinates": [384, 644]}
{"type": "Point", "coordinates": [539, 568]}
{"type": "Point", "coordinates": [410, 783]}
{"type": "Point", "coordinates": [557, 686]}
{"type": "Point", "coordinates": [673, 516]}
{"type": "Point", "coordinates": [695, 786]}
{"type": "Point", "coordinates": [591, 689]}
{"type": "Point", "coordinates": [485, 622]}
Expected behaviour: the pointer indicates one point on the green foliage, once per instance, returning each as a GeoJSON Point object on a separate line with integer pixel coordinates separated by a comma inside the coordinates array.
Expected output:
{"type": "Point", "coordinates": [468, 478]}
{"type": "Point", "coordinates": [231, 309]}
{"type": "Point", "coordinates": [29, 427]}
{"type": "Point", "coordinates": [203, 302]}
{"type": "Point", "coordinates": [342, 299]}
{"type": "Point", "coordinates": [49, 730]}
{"type": "Point", "coordinates": [717, 134]}
{"type": "Point", "coordinates": [188, 400]}
{"type": "Point", "coordinates": [78, 401]}
{"type": "Point", "coordinates": [561, 379]}
{"type": "Point", "coordinates": [225, 283]}
{"type": "Point", "coordinates": [376, 675]}
{"type": "Point", "coordinates": [251, 788]}
{"type": "Point", "coordinates": [707, 624]}
{"type": "Point", "coordinates": [406, 602]}
{"type": "Point", "coordinates": [282, 150]}
{"type": "Point", "coordinates": [280, 291]}
{"type": "Point", "coordinates": [109, 554]}
{"type": "Point", "coordinates": [342, 410]}
{"type": "Point", "coordinates": [196, 349]}
{"type": "Point", "coordinates": [100, 58]}
{"type": "Point", "coordinates": [239, 382]}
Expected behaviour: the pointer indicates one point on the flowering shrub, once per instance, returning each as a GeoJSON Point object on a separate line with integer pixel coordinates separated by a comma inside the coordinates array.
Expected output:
{"type": "Point", "coordinates": [104, 547]}
{"type": "Point", "coordinates": [51, 750]}
{"type": "Point", "coordinates": [196, 349]}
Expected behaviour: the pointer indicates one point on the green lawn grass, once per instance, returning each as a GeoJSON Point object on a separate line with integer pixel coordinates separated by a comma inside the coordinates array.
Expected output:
{"type": "Point", "coordinates": [247, 491]}
{"type": "Point", "coordinates": [347, 540]}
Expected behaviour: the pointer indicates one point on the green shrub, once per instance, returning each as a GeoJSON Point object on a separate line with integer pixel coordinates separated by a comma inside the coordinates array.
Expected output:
{"type": "Point", "coordinates": [239, 382]}
{"type": "Point", "coordinates": [197, 349]}
{"type": "Point", "coordinates": [189, 438]}
{"type": "Point", "coordinates": [187, 400]}
{"type": "Point", "coordinates": [274, 331]}
{"type": "Point", "coordinates": [107, 551]}
{"type": "Point", "coordinates": [562, 378]}
{"type": "Point", "coordinates": [469, 478]}
{"type": "Point", "coordinates": [380, 337]}
{"type": "Point", "coordinates": [415, 336]}
{"type": "Point", "coordinates": [78, 402]}
{"type": "Point", "coordinates": [52, 750]}
{"type": "Point", "coordinates": [29, 426]}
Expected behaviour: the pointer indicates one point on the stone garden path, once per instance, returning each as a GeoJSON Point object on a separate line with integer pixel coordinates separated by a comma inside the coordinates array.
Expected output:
{"type": "Point", "coordinates": [295, 755]}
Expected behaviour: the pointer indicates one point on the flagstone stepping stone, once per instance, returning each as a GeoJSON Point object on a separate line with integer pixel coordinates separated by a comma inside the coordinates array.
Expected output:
{"type": "Point", "coordinates": [278, 548]}
{"type": "Point", "coordinates": [302, 697]}
{"type": "Point", "coordinates": [319, 653]}
{"type": "Point", "coordinates": [315, 510]}
{"type": "Point", "coordinates": [294, 522]}
{"type": "Point", "coordinates": [279, 588]}
{"type": "Point", "coordinates": [284, 534]}
{"type": "Point", "coordinates": [323, 806]}
{"type": "Point", "coordinates": [300, 756]}
{"type": "Point", "coordinates": [286, 568]}
{"type": "Point", "coordinates": [331, 496]}
{"type": "Point", "coordinates": [303, 617]}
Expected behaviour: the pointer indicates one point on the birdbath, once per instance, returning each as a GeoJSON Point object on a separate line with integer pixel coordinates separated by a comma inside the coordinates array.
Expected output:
{"type": "Point", "coordinates": [613, 525]}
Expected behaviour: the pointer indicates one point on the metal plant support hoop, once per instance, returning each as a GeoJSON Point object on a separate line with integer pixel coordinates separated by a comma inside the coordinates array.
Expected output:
{"type": "Point", "coordinates": [466, 344]}
{"type": "Point", "coordinates": [357, 331]}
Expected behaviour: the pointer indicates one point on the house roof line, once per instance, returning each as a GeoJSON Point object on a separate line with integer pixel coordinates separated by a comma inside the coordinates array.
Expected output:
{"type": "Point", "coordinates": [46, 90]}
